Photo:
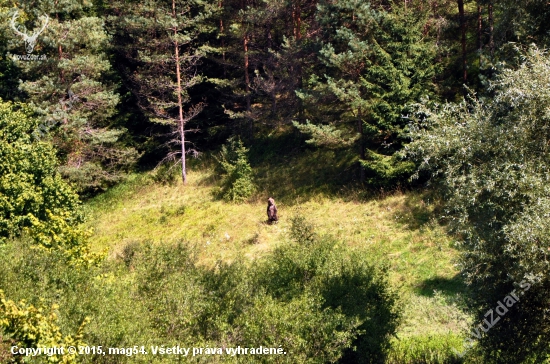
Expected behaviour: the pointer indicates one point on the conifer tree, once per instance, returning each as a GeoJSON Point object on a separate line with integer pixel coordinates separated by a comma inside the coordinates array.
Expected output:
{"type": "Point", "coordinates": [72, 92]}
{"type": "Point", "coordinates": [378, 64]}
{"type": "Point", "coordinates": [268, 49]}
{"type": "Point", "coordinates": [158, 39]}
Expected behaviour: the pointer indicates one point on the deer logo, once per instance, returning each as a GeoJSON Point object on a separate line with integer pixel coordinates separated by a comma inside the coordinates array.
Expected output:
{"type": "Point", "coordinates": [30, 41]}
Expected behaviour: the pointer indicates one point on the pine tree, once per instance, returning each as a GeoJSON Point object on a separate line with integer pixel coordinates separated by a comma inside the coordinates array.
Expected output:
{"type": "Point", "coordinates": [72, 93]}
{"type": "Point", "coordinates": [158, 39]}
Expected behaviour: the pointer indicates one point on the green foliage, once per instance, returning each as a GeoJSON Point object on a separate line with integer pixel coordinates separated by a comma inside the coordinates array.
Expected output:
{"type": "Point", "coordinates": [165, 174]}
{"type": "Point", "coordinates": [237, 180]}
{"type": "Point", "coordinates": [301, 231]}
{"type": "Point", "coordinates": [159, 43]}
{"type": "Point", "coordinates": [289, 300]}
{"type": "Point", "coordinates": [313, 301]}
{"type": "Point", "coordinates": [30, 188]}
{"type": "Point", "coordinates": [316, 302]}
{"type": "Point", "coordinates": [493, 162]}
{"type": "Point", "coordinates": [382, 169]}
{"type": "Point", "coordinates": [59, 233]}
{"type": "Point", "coordinates": [302, 326]}
{"type": "Point", "coordinates": [100, 293]}
{"type": "Point", "coordinates": [326, 135]}
{"type": "Point", "coordinates": [27, 326]}
{"type": "Point", "coordinates": [72, 94]}
{"type": "Point", "coordinates": [432, 349]}
{"type": "Point", "coordinates": [32, 194]}
{"type": "Point", "coordinates": [346, 283]}
{"type": "Point", "coordinates": [378, 65]}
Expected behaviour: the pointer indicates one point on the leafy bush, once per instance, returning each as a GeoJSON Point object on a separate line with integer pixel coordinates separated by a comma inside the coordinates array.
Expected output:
{"type": "Point", "coordinates": [36, 327]}
{"type": "Point", "coordinates": [237, 178]}
{"type": "Point", "coordinates": [301, 231]}
{"type": "Point", "coordinates": [344, 281]}
{"type": "Point", "coordinates": [32, 194]}
{"type": "Point", "coordinates": [43, 279]}
{"type": "Point", "coordinates": [493, 160]}
{"type": "Point", "coordinates": [30, 187]}
{"type": "Point", "coordinates": [306, 330]}
{"type": "Point", "coordinates": [317, 301]}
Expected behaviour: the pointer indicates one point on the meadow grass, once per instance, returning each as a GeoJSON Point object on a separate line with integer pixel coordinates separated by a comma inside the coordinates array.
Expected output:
{"type": "Point", "coordinates": [396, 230]}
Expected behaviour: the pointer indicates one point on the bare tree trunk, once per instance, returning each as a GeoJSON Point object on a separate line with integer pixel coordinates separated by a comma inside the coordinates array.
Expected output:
{"type": "Point", "coordinates": [297, 20]}
{"type": "Point", "coordinates": [222, 29]}
{"type": "Point", "coordinates": [491, 28]}
{"type": "Point", "coordinates": [479, 33]}
{"type": "Point", "coordinates": [298, 37]}
{"type": "Point", "coordinates": [247, 81]}
{"type": "Point", "coordinates": [246, 39]}
{"type": "Point", "coordinates": [463, 41]}
{"type": "Point", "coordinates": [181, 120]}
{"type": "Point", "coordinates": [438, 38]}
{"type": "Point", "coordinates": [362, 147]}
{"type": "Point", "coordinates": [271, 64]}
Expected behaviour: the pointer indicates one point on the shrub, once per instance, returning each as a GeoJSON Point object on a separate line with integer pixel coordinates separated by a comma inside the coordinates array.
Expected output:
{"type": "Point", "coordinates": [28, 326]}
{"type": "Point", "coordinates": [316, 301]}
{"type": "Point", "coordinates": [493, 162]}
{"type": "Point", "coordinates": [32, 194]}
{"type": "Point", "coordinates": [301, 231]}
{"type": "Point", "coordinates": [30, 187]}
{"type": "Point", "coordinates": [345, 283]}
{"type": "Point", "coordinates": [237, 177]}
{"type": "Point", "coordinates": [166, 174]}
{"type": "Point", "coordinates": [44, 280]}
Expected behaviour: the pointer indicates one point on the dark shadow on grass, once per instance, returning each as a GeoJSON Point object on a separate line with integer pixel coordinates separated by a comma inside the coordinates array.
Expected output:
{"type": "Point", "coordinates": [293, 173]}
{"type": "Point", "coordinates": [447, 287]}
{"type": "Point", "coordinates": [419, 210]}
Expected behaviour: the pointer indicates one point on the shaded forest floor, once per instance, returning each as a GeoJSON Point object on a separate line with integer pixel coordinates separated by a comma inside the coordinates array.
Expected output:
{"type": "Point", "coordinates": [397, 230]}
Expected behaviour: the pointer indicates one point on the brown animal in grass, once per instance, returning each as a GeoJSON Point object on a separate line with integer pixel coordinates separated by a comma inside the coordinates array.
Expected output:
{"type": "Point", "coordinates": [271, 211]}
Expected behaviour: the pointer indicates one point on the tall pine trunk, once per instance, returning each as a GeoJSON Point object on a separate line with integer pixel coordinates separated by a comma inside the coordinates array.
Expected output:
{"type": "Point", "coordinates": [181, 120]}
{"type": "Point", "coordinates": [491, 27]}
{"type": "Point", "coordinates": [463, 40]}
{"type": "Point", "coordinates": [479, 33]}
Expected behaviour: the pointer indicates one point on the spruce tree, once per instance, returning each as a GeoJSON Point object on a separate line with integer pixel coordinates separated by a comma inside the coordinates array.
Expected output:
{"type": "Point", "coordinates": [266, 48]}
{"type": "Point", "coordinates": [378, 64]}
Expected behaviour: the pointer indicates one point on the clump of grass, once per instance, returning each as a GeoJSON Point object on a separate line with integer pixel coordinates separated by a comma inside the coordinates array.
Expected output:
{"type": "Point", "coordinates": [425, 349]}
{"type": "Point", "coordinates": [254, 239]}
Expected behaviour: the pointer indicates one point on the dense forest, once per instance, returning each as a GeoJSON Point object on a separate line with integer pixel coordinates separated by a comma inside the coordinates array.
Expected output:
{"type": "Point", "coordinates": [406, 143]}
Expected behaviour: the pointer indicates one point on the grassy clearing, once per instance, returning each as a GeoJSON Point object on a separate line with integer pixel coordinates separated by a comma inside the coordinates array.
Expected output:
{"type": "Point", "coordinates": [387, 229]}
{"type": "Point", "coordinates": [395, 230]}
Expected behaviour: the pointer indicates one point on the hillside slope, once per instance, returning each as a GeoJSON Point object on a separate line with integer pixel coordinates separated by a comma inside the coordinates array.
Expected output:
{"type": "Point", "coordinates": [395, 230]}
